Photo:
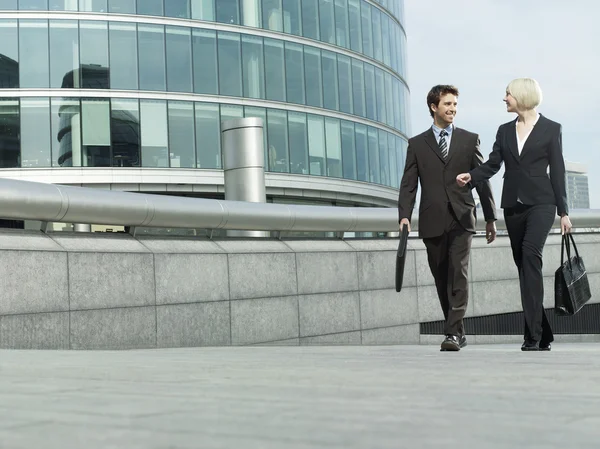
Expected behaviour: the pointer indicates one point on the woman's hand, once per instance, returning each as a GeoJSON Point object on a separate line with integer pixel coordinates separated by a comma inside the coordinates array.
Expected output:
{"type": "Point", "coordinates": [565, 224]}
{"type": "Point", "coordinates": [463, 179]}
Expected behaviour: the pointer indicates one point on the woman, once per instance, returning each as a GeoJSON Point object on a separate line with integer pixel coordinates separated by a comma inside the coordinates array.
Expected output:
{"type": "Point", "coordinates": [528, 146]}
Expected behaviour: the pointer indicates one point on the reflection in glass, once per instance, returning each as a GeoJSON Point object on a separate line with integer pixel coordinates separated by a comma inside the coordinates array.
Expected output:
{"type": "Point", "coordinates": [93, 37]}
{"type": "Point", "coordinates": [33, 5]}
{"type": "Point", "coordinates": [348, 150]}
{"type": "Point", "coordinates": [123, 50]}
{"type": "Point", "coordinates": [151, 54]}
{"type": "Point", "coordinates": [93, 5]}
{"type": "Point", "coordinates": [63, 5]}
{"type": "Point", "coordinates": [374, 175]}
{"type": "Point", "coordinates": [9, 133]}
{"type": "Point", "coordinates": [66, 131]}
{"type": "Point", "coordinates": [389, 99]}
{"type": "Point", "coordinates": [370, 96]}
{"type": "Point", "coordinates": [10, 5]}
{"type": "Point", "coordinates": [33, 53]}
{"type": "Point", "coordinates": [35, 132]}
{"type": "Point", "coordinates": [316, 144]}
{"type": "Point", "coordinates": [253, 66]}
{"type": "Point", "coordinates": [150, 7]}
{"type": "Point", "coordinates": [327, 21]}
{"type": "Point", "coordinates": [393, 164]}
{"type": "Point", "coordinates": [294, 72]}
{"type": "Point", "coordinates": [125, 132]}
{"type": "Point", "coordinates": [367, 29]}
{"type": "Point", "coordinates": [355, 25]}
{"type": "Point", "coordinates": [384, 158]}
{"type": "Point", "coordinates": [251, 13]}
{"type": "Point", "coordinates": [122, 6]}
{"type": "Point", "coordinates": [9, 54]}
{"type": "Point", "coordinates": [155, 138]}
{"type": "Point", "coordinates": [64, 54]}
{"type": "Point", "coordinates": [341, 23]}
{"type": "Point", "coordinates": [272, 15]}
{"type": "Point", "coordinates": [358, 87]}
{"type": "Point", "coordinates": [345, 80]}
{"type": "Point", "coordinates": [231, 112]}
{"type": "Point", "coordinates": [208, 135]}
{"type": "Point", "coordinates": [292, 17]}
{"type": "Point", "coordinates": [334, 147]}
{"type": "Point", "coordinates": [278, 141]}
{"type": "Point", "coordinates": [298, 130]}
{"type": "Point", "coordinates": [179, 59]}
{"type": "Point", "coordinates": [274, 70]}
{"type": "Point", "coordinates": [228, 11]}
{"type": "Point", "coordinates": [313, 73]}
{"type": "Point", "coordinates": [230, 64]}
{"type": "Point", "coordinates": [250, 111]}
{"type": "Point", "coordinates": [203, 10]}
{"type": "Point", "coordinates": [310, 19]}
{"type": "Point", "coordinates": [177, 8]}
{"type": "Point", "coordinates": [377, 46]}
{"type": "Point", "coordinates": [386, 37]}
{"type": "Point", "coordinates": [396, 100]}
{"type": "Point", "coordinates": [95, 134]}
{"type": "Point", "coordinates": [362, 152]}
{"type": "Point", "coordinates": [394, 29]}
{"type": "Point", "coordinates": [379, 81]}
{"type": "Point", "coordinates": [204, 45]}
{"type": "Point", "coordinates": [181, 134]}
{"type": "Point", "coordinates": [330, 80]}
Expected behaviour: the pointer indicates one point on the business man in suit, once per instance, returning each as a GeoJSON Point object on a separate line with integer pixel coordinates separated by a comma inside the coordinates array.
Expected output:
{"type": "Point", "coordinates": [528, 145]}
{"type": "Point", "coordinates": [447, 213]}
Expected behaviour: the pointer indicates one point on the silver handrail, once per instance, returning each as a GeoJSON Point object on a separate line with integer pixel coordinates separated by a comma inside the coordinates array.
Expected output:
{"type": "Point", "coordinates": [28, 200]}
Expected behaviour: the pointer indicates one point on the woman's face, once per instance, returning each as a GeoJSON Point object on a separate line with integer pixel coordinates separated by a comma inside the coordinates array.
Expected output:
{"type": "Point", "coordinates": [511, 103]}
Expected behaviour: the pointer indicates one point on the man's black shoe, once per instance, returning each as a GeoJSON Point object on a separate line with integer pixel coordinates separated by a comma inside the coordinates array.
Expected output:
{"type": "Point", "coordinates": [530, 345]}
{"type": "Point", "coordinates": [463, 341]}
{"type": "Point", "coordinates": [451, 343]}
{"type": "Point", "coordinates": [545, 346]}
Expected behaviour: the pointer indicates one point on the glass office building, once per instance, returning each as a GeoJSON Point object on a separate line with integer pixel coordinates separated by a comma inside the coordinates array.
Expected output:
{"type": "Point", "coordinates": [130, 94]}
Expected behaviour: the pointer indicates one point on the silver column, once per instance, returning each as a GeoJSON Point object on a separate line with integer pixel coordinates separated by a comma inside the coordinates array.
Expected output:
{"type": "Point", "coordinates": [79, 227]}
{"type": "Point", "coordinates": [243, 164]}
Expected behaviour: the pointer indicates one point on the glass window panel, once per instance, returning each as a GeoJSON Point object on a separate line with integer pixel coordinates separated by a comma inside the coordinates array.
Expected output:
{"type": "Point", "coordinates": [93, 55]}
{"type": "Point", "coordinates": [150, 7]}
{"type": "Point", "coordinates": [310, 18]}
{"type": "Point", "coordinates": [204, 45]}
{"type": "Point", "coordinates": [394, 45]}
{"type": "Point", "coordinates": [95, 134]}
{"type": "Point", "coordinates": [374, 169]}
{"type": "Point", "coordinates": [330, 80]}
{"type": "Point", "coordinates": [334, 147]}
{"type": "Point", "coordinates": [63, 5]}
{"type": "Point", "coordinates": [389, 99]}
{"type": "Point", "coordinates": [362, 152]}
{"type": "Point", "coordinates": [393, 163]}
{"type": "Point", "coordinates": [344, 71]}
{"type": "Point", "coordinates": [316, 144]}
{"type": "Point", "coordinates": [123, 50]}
{"type": "Point", "coordinates": [208, 135]}
{"type": "Point", "coordinates": [178, 8]}
{"type": "Point", "coordinates": [272, 11]}
{"type": "Point", "coordinates": [275, 69]}
{"type": "Point", "coordinates": [342, 32]}
{"type": "Point", "coordinates": [230, 64]}
{"type": "Point", "coordinates": [66, 131]}
{"type": "Point", "coordinates": [151, 54]}
{"type": "Point", "coordinates": [367, 29]}
{"type": "Point", "coordinates": [294, 72]}
{"type": "Point", "coordinates": [9, 54]}
{"type": "Point", "coordinates": [250, 111]}
{"type": "Point", "coordinates": [358, 87]}
{"type": "Point", "coordinates": [370, 96]}
{"type": "Point", "coordinates": [122, 6]}
{"type": "Point", "coordinates": [298, 131]}
{"type": "Point", "coordinates": [377, 45]}
{"type": "Point", "coordinates": [9, 133]}
{"type": "Point", "coordinates": [348, 150]}
{"type": "Point", "coordinates": [34, 70]}
{"type": "Point", "coordinates": [402, 155]}
{"type": "Point", "coordinates": [379, 79]}
{"type": "Point", "coordinates": [64, 54]}
{"type": "Point", "coordinates": [404, 108]}
{"type": "Point", "coordinates": [251, 13]}
{"type": "Point", "coordinates": [93, 5]}
{"type": "Point", "coordinates": [386, 37]}
{"type": "Point", "coordinates": [35, 132]}
{"type": "Point", "coordinates": [155, 140]}
{"type": "Point", "coordinates": [355, 25]}
{"type": "Point", "coordinates": [231, 112]}
{"type": "Point", "coordinates": [278, 141]}
{"type": "Point", "coordinates": [10, 5]}
{"type": "Point", "coordinates": [384, 158]}
{"type": "Point", "coordinates": [327, 21]}
{"type": "Point", "coordinates": [396, 100]}
{"type": "Point", "coordinates": [228, 11]}
{"type": "Point", "coordinates": [203, 10]}
{"type": "Point", "coordinates": [292, 17]}
{"type": "Point", "coordinates": [254, 65]}
{"type": "Point", "coordinates": [179, 59]}
{"type": "Point", "coordinates": [313, 74]}
{"type": "Point", "coordinates": [182, 147]}
{"type": "Point", "coordinates": [33, 5]}
{"type": "Point", "coordinates": [125, 132]}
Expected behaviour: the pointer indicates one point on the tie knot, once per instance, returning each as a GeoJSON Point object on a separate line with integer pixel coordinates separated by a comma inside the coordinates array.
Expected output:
{"type": "Point", "coordinates": [443, 133]}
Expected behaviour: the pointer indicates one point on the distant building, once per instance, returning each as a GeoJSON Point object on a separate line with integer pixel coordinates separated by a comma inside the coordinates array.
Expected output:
{"type": "Point", "coordinates": [578, 192]}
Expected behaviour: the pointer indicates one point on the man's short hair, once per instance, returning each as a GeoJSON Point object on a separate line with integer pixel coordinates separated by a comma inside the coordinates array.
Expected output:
{"type": "Point", "coordinates": [437, 92]}
{"type": "Point", "coordinates": [526, 91]}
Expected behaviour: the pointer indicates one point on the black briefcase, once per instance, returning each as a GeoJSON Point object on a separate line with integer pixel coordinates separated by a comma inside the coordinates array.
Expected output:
{"type": "Point", "coordinates": [571, 284]}
{"type": "Point", "coordinates": [401, 257]}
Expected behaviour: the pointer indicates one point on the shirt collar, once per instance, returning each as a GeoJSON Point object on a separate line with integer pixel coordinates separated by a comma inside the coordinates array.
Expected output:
{"type": "Point", "coordinates": [437, 130]}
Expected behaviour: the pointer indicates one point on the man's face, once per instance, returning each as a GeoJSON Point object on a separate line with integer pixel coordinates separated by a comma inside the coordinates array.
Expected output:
{"type": "Point", "coordinates": [445, 111]}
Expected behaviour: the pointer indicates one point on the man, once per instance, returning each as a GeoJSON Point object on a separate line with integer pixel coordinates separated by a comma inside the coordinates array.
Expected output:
{"type": "Point", "coordinates": [447, 213]}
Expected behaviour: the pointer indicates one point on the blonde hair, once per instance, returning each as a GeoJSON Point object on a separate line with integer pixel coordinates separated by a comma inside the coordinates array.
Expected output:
{"type": "Point", "coordinates": [526, 91]}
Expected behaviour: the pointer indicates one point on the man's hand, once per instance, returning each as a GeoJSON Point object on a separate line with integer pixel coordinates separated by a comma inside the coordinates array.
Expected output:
{"type": "Point", "coordinates": [490, 231]}
{"type": "Point", "coordinates": [565, 224]}
{"type": "Point", "coordinates": [403, 222]}
{"type": "Point", "coordinates": [463, 179]}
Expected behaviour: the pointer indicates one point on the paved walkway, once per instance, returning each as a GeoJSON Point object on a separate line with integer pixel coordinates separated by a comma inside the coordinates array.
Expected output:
{"type": "Point", "coordinates": [302, 397]}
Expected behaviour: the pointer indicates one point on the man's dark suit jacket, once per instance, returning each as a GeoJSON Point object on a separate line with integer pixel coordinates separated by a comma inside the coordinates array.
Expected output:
{"type": "Point", "coordinates": [526, 175]}
{"type": "Point", "coordinates": [424, 162]}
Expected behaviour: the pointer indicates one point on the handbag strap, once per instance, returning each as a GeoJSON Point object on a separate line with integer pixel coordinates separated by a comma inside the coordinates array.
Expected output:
{"type": "Point", "coordinates": [574, 245]}
{"type": "Point", "coordinates": [565, 244]}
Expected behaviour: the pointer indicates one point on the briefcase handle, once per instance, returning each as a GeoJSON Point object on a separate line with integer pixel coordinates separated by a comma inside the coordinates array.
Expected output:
{"type": "Point", "coordinates": [568, 239]}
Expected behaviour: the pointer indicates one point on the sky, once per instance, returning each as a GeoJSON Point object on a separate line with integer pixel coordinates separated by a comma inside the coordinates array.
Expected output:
{"type": "Point", "coordinates": [481, 45]}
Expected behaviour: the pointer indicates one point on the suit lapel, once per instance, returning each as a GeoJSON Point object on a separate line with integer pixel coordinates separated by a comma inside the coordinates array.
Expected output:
{"type": "Point", "coordinates": [454, 143]}
{"type": "Point", "coordinates": [534, 137]}
{"type": "Point", "coordinates": [432, 143]}
{"type": "Point", "coordinates": [512, 140]}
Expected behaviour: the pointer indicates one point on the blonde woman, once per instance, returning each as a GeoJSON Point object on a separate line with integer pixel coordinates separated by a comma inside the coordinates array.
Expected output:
{"type": "Point", "coordinates": [528, 146]}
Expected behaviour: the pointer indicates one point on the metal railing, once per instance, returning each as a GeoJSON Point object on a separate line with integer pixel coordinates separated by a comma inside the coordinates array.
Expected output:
{"type": "Point", "coordinates": [27, 200]}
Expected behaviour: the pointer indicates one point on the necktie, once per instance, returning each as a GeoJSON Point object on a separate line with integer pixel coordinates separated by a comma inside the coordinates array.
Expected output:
{"type": "Point", "coordinates": [444, 144]}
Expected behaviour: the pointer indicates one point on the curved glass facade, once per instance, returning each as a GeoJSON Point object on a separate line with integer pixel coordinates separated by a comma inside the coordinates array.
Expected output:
{"type": "Point", "coordinates": [149, 86]}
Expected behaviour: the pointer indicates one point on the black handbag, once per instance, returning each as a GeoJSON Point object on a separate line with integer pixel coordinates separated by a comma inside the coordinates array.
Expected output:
{"type": "Point", "coordinates": [571, 284]}
{"type": "Point", "coordinates": [401, 257]}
